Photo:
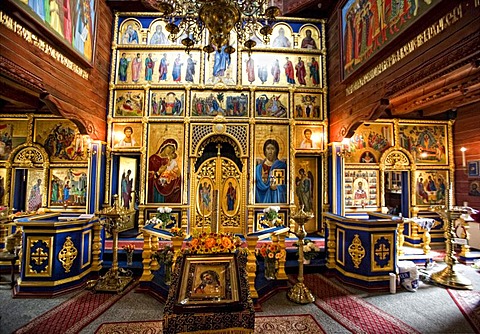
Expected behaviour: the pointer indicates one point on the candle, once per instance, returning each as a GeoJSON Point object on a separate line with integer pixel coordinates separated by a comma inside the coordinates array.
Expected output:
{"type": "Point", "coordinates": [464, 162]}
{"type": "Point", "coordinates": [450, 195]}
{"type": "Point", "coordinates": [393, 282]}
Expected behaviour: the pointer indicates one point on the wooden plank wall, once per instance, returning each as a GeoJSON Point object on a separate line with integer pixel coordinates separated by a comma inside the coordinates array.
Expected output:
{"type": "Point", "coordinates": [466, 133]}
{"type": "Point", "coordinates": [83, 101]}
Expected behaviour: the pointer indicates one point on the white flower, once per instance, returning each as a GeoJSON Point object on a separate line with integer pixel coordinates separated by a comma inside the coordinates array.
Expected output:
{"type": "Point", "coordinates": [168, 210]}
{"type": "Point", "coordinates": [306, 248]}
{"type": "Point", "coordinates": [161, 210]}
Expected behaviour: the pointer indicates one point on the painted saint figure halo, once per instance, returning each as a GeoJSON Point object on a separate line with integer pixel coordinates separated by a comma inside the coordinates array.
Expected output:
{"type": "Point", "coordinates": [164, 174]}
{"type": "Point", "coordinates": [271, 176]}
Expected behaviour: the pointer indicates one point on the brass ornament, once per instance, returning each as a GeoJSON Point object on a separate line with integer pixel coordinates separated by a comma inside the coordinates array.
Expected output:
{"type": "Point", "coordinates": [356, 251]}
{"type": "Point", "coordinates": [67, 254]}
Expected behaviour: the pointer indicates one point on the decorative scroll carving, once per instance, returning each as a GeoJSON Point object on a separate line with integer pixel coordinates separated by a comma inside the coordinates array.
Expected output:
{"type": "Point", "coordinates": [29, 156]}
{"type": "Point", "coordinates": [67, 254]}
{"type": "Point", "coordinates": [356, 251]}
{"type": "Point", "coordinates": [397, 160]}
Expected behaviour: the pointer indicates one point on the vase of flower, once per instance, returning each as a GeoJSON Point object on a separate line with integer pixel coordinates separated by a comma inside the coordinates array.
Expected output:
{"type": "Point", "coordinates": [270, 215]}
{"type": "Point", "coordinates": [271, 254]}
{"type": "Point", "coordinates": [129, 251]}
{"type": "Point", "coordinates": [129, 258]}
{"type": "Point", "coordinates": [270, 269]}
{"type": "Point", "coordinates": [168, 273]}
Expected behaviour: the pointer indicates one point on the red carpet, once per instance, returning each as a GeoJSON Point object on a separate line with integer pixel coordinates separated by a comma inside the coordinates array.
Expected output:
{"type": "Point", "coordinates": [469, 304]}
{"type": "Point", "coordinates": [298, 324]}
{"type": "Point", "coordinates": [352, 312]}
{"type": "Point", "coordinates": [71, 316]}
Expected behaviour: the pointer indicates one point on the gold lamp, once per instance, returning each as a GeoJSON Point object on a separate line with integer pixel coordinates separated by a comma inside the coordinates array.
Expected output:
{"type": "Point", "coordinates": [189, 18]}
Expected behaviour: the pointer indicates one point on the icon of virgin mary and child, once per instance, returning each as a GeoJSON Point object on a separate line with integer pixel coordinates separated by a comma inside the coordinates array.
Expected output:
{"type": "Point", "coordinates": [164, 175]}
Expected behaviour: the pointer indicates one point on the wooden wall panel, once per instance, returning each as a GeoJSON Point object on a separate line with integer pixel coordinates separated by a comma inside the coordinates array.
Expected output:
{"type": "Point", "coordinates": [466, 134]}
{"type": "Point", "coordinates": [81, 100]}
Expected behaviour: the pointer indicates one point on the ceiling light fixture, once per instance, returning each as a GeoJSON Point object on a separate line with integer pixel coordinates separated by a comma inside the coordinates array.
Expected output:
{"type": "Point", "coordinates": [189, 18]}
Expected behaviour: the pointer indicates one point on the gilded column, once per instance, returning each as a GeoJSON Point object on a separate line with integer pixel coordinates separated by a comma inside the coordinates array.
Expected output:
{"type": "Point", "coordinates": [331, 243]}
{"type": "Point", "coordinates": [252, 265]}
{"type": "Point", "coordinates": [97, 246]}
{"type": "Point", "coordinates": [281, 274]}
{"type": "Point", "coordinates": [154, 247]}
{"type": "Point", "coordinates": [146, 256]}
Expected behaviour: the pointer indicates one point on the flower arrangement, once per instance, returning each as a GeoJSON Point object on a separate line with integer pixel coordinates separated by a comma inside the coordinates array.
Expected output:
{"type": "Point", "coordinates": [162, 217]}
{"type": "Point", "coordinates": [271, 251]}
{"type": "Point", "coordinates": [310, 250]}
{"type": "Point", "coordinates": [177, 232]}
{"type": "Point", "coordinates": [165, 255]}
{"type": "Point", "coordinates": [271, 214]}
{"type": "Point", "coordinates": [211, 242]}
{"type": "Point", "coordinates": [129, 248]}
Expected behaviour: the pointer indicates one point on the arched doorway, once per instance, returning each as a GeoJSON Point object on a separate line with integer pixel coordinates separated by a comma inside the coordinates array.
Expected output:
{"type": "Point", "coordinates": [396, 164]}
{"type": "Point", "coordinates": [218, 183]}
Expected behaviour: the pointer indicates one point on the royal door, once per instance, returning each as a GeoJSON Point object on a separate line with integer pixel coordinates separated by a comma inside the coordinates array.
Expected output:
{"type": "Point", "coordinates": [218, 193]}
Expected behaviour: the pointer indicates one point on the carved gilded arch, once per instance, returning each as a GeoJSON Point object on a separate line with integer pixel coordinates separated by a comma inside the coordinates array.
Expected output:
{"type": "Point", "coordinates": [397, 158]}
{"type": "Point", "coordinates": [29, 156]}
{"type": "Point", "coordinates": [26, 156]}
{"type": "Point", "coordinates": [236, 136]}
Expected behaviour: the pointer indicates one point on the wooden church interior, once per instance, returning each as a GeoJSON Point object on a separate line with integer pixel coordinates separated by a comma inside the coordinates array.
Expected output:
{"type": "Point", "coordinates": [379, 134]}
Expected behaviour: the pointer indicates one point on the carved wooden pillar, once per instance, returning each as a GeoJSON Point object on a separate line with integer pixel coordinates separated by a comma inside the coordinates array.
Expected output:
{"type": "Point", "coordinates": [154, 247]}
{"type": "Point", "coordinates": [281, 274]}
{"type": "Point", "coordinates": [97, 246]}
{"type": "Point", "coordinates": [147, 258]}
{"type": "Point", "coordinates": [331, 244]}
{"type": "Point", "coordinates": [400, 237]}
{"type": "Point", "coordinates": [252, 265]}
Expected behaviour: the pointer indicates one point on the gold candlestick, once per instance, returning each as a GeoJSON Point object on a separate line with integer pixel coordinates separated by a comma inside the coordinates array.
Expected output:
{"type": "Point", "coordinates": [115, 218]}
{"type": "Point", "coordinates": [299, 293]}
{"type": "Point", "coordinates": [448, 276]}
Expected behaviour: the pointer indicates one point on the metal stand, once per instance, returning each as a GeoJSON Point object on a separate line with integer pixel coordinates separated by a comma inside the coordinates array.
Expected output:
{"type": "Point", "coordinates": [115, 280]}
{"type": "Point", "coordinates": [299, 293]}
{"type": "Point", "coordinates": [449, 277]}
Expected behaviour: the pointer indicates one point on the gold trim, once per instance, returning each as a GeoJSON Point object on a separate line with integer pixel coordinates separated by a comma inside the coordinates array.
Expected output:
{"type": "Point", "coordinates": [341, 243]}
{"type": "Point", "coordinates": [53, 231]}
{"type": "Point", "coordinates": [89, 232]}
{"type": "Point", "coordinates": [28, 256]}
{"type": "Point", "coordinates": [362, 277]}
{"type": "Point", "coordinates": [375, 238]}
{"type": "Point", "coordinates": [54, 283]}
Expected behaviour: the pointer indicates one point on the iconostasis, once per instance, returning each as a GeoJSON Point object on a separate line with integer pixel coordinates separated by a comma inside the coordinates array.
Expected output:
{"type": "Point", "coordinates": [170, 109]}
{"type": "Point", "coordinates": [399, 165]}
{"type": "Point", "coordinates": [43, 163]}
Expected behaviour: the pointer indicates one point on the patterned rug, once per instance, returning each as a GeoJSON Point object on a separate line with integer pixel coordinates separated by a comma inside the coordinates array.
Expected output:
{"type": "Point", "coordinates": [71, 316]}
{"type": "Point", "coordinates": [469, 304]}
{"type": "Point", "coordinates": [352, 312]}
{"type": "Point", "coordinates": [298, 324]}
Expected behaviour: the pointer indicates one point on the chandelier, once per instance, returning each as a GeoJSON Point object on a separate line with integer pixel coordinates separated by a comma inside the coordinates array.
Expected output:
{"type": "Point", "coordinates": [189, 18]}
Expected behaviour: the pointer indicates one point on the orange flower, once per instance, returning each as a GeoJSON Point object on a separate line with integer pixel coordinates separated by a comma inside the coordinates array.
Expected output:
{"type": "Point", "coordinates": [194, 242]}
{"type": "Point", "coordinates": [226, 242]}
{"type": "Point", "coordinates": [271, 255]}
{"type": "Point", "coordinates": [210, 242]}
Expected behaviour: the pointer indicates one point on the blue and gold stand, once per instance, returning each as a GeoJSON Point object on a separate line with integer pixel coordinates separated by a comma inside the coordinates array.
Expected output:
{"type": "Point", "coordinates": [56, 253]}
{"type": "Point", "coordinates": [362, 252]}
